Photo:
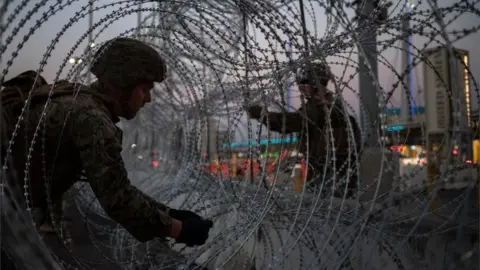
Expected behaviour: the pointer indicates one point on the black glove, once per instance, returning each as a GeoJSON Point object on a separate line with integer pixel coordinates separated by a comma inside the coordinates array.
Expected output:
{"type": "Point", "coordinates": [183, 214]}
{"type": "Point", "coordinates": [255, 112]}
{"type": "Point", "coordinates": [194, 231]}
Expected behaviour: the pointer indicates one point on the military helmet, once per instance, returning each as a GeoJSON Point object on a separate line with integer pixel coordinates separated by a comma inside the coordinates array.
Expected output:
{"type": "Point", "coordinates": [127, 62]}
{"type": "Point", "coordinates": [313, 73]}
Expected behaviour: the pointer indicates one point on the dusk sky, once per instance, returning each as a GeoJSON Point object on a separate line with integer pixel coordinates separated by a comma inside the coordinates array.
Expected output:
{"type": "Point", "coordinates": [30, 55]}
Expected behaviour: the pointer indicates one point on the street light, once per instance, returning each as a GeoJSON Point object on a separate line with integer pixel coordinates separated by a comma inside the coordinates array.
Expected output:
{"type": "Point", "coordinates": [75, 60]}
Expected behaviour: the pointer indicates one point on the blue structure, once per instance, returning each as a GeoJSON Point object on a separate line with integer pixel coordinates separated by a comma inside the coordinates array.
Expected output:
{"type": "Point", "coordinates": [262, 142]}
{"type": "Point", "coordinates": [396, 111]}
{"type": "Point", "coordinates": [395, 128]}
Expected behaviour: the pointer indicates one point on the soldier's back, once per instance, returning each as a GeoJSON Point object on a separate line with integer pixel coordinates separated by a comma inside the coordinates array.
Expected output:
{"type": "Point", "coordinates": [54, 161]}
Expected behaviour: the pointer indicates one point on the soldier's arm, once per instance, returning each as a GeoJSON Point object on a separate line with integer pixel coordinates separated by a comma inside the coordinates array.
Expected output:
{"type": "Point", "coordinates": [275, 121]}
{"type": "Point", "coordinates": [95, 137]}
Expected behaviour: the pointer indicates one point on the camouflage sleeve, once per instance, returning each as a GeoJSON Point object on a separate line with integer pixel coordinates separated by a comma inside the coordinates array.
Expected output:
{"type": "Point", "coordinates": [275, 121]}
{"type": "Point", "coordinates": [95, 136]}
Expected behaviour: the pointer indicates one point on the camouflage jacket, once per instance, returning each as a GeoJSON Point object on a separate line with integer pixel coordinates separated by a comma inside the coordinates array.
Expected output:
{"type": "Point", "coordinates": [78, 136]}
{"type": "Point", "coordinates": [310, 122]}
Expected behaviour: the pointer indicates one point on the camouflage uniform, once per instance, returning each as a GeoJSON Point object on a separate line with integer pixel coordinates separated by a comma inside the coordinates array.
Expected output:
{"type": "Point", "coordinates": [78, 136]}
{"type": "Point", "coordinates": [310, 122]}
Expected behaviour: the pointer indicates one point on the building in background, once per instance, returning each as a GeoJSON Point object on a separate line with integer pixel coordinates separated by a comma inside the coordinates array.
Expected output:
{"type": "Point", "coordinates": [212, 135]}
{"type": "Point", "coordinates": [224, 136]}
{"type": "Point", "coordinates": [443, 84]}
{"type": "Point", "coordinates": [208, 137]}
{"type": "Point", "coordinates": [447, 100]}
{"type": "Point", "coordinates": [394, 117]}
{"type": "Point", "coordinates": [405, 138]}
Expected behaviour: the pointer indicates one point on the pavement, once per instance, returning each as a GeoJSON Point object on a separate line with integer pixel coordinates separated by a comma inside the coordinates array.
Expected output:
{"type": "Point", "coordinates": [94, 249]}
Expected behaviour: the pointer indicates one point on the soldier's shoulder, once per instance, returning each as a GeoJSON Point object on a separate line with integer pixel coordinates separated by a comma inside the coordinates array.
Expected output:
{"type": "Point", "coordinates": [85, 101]}
{"type": "Point", "coordinates": [90, 121]}
{"type": "Point", "coordinates": [88, 109]}
{"type": "Point", "coordinates": [68, 103]}
{"type": "Point", "coordinates": [80, 102]}
{"type": "Point", "coordinates": [83, 112]}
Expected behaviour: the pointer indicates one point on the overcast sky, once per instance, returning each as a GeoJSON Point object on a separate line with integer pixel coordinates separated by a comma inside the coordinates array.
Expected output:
{"type": "Point", "coordinates": [32, 52]}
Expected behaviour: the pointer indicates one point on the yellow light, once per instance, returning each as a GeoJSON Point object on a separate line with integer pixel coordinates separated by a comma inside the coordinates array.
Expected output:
{"type": "Point", "coordinates": [476, 151]}
{"type": "Point", "coordinates": [71, 60]}
{"type": "Point", "coordinates": [411, 4]}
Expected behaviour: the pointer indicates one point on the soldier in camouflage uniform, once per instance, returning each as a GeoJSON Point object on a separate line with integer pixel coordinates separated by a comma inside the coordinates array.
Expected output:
{"type": "Point", "coordinates": [312, 81]}
{"type": "Point", "coordinates": [78, 136]}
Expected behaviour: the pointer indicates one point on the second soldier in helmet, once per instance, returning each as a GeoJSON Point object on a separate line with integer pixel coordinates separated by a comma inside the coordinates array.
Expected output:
{"type": "Point", "coordinates": [311, 122]}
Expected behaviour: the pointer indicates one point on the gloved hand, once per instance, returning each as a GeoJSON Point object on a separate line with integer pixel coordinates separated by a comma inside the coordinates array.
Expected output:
{"type": "Point", "coordinates": [255, 112]}
{"type": "Point", "coordinates": [183, 214]}
{"type": "Point", "coordinates": [194, 231]}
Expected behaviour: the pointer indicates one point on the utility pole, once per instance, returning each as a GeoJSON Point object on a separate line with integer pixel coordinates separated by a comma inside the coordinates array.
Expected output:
{"type": "Point", "coordinates": [247, 90]}
{"type": "Point", "coordinates": [90, 41]}
{"type": "Point", "coordinates": [288, 50]}
{"type": "Point", "coordinates": [367, 54]}
{"type": "Point", "coordinates": [369, 16]}
{"type": "Point", "coordinates": [139, 19]}
{"type": "Point", "coordinates": [304, 28]}
{"type": "Point", "coordinates": [407, 96]}
{"type": "Point", "coordinates": [2, 172]}
{"type": "Point", "coordinates": [205, 99]}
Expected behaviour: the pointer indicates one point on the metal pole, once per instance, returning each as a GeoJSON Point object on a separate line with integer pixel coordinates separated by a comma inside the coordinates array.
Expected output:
{"type": "Point", "coordinates": [432, 171]}
{"type": "Point", "coordinates": [405, 112]}
{"type": "Point", "coordinates": [411, 74]}
{"type": "Point", "coordinates": [208, 129]}
{"type": "Point", "coordinates": [205, 98]}
{"type": "Point", "coordinates": [288, 49]}
{"type": "Point", "coordinates": [3, 12]}
{"type": "Point", "coordinates": [368, 64]}
{"type": "Point", "coordinates": [139, 19]}
{"type": "Point", "coordinates": [2, 172]}
{"type": "Point", "coordinates": [247, 91]}
{"type": "Point", "coordinates": [90, 41]}
{"type": "Point", "coordinates": [304, 27]}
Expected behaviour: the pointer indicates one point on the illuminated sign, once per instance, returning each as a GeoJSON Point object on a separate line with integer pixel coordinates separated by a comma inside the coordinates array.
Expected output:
{"type": "Point", "coordinates": [262, 142]}
{"type": "Point", "coordinates": [396, 111]}
{"type": "Point", "coordinates": [395, 128]}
